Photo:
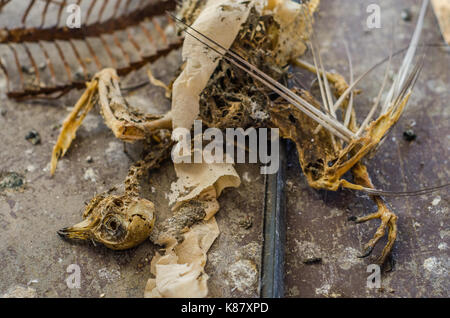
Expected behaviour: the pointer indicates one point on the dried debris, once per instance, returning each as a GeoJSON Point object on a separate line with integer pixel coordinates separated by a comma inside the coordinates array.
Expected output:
{"type": "Point", "coordinates": [409, 135]}
{"type": "Point", "coordinates": [20, 291]}
{"type": "Point", "coordinates": [312, 261]}
{"type": "Point", "coordinates": [34, 137]}
{"type": "Point", "coordinates": [235, 58]}
{"type": "Point", "coordinates": [11, 180]}
{"type": "Point", "coordinates": [406, 15]}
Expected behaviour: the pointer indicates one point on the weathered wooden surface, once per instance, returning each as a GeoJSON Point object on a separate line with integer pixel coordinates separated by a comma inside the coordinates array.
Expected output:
{"type": "Point", "coordinates": [317, 220]}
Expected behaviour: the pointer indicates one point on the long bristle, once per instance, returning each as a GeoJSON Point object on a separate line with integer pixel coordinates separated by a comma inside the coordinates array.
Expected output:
{"type": "Point", "coordinates": [350, 102]}
{"type": "Point", "coordinates": [369, 116]}
{"type": "Point", "coordinates": [405, 193]}
{"type": "Point", "coordinates": [402, 74]}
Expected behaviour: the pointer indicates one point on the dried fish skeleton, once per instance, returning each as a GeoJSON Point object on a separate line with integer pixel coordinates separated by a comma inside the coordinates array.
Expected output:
{"type": "Point", "coordinates": [235, 55]}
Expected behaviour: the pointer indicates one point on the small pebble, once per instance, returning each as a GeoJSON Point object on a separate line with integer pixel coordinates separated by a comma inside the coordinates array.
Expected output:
{"type": "Point", "coordinates": [28, 69]}
{"type": "Point", "coordinates": [409, 135]}
{"type": "Point", "coordinates": [42, 66]}
{"type": "Point", "coordinates": [313, 260]}
{"type": "Point", "coordinates": [3, 112]}
{"type": "Point", "coordinates": [79, 74]}
{"type": "Point", "coordinates": [11, 180]}
{"type": "Point", "coordinates": [33, 137]}
{"type": "Point", "coordinates": [436, 200]}
{"type": "Point", "coordinates": [406, 15]}
{"type": "Point", "coordinates": [89, 159]}
{"type": "Point", "coordinates": [246, 222]}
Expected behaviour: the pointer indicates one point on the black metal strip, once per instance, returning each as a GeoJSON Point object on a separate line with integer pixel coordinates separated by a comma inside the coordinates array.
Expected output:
{"type": "Point", "coordinates": [272, 272]}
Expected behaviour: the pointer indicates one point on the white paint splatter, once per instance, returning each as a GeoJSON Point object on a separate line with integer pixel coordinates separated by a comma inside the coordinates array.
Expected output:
{"type": "Point", "coordinates": [436, 86]}
{"type": "Point", "coordinates": [20, 292]}
{"type": "Point", "coordinates": [323, 290]}
{"type": "Point", "coordinates": [257, 113]}
{"type": "Point", "coordinates": [436, 201]}
{"type": "Point", "coordinates": [90, 174]}
{"type": "Point", "coordinates": [110, 275]}
{"type": "Point", "coordinates": [91, 122]}
{"type": "Point", "coordinates": [31, 168]}
{"type": "Point", "coordinates": [243, 274]}
{"type": "Point", "coordinates": [114, 153]}
{"type": "Point", "coordinates": [349, 258]}
{"type": "Point", "coordinates": [435, 266]}
{"type": "Point", "coordinates": [442, 246]}
{"type": "Point", "coordinates": [307, 250]}
{"type": "Point", "coordinates": [246, 177]}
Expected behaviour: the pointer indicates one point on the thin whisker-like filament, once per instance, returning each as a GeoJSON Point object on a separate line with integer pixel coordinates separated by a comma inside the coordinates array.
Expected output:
{"type": "Point", "coordinates": [320, 70]}
{"type": "Point", "coordinates": [404, 193]}
{"type": "Point", "coordinates": [407, 61]}
{"type": "Point", "coordinates": [319, 80]}
{"type": "Point", "coordinates": [350, 103]}
{"type": "Point", "coordinates": [378, 99]}
{"type": "Point", "coordinates": [327, 86]}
